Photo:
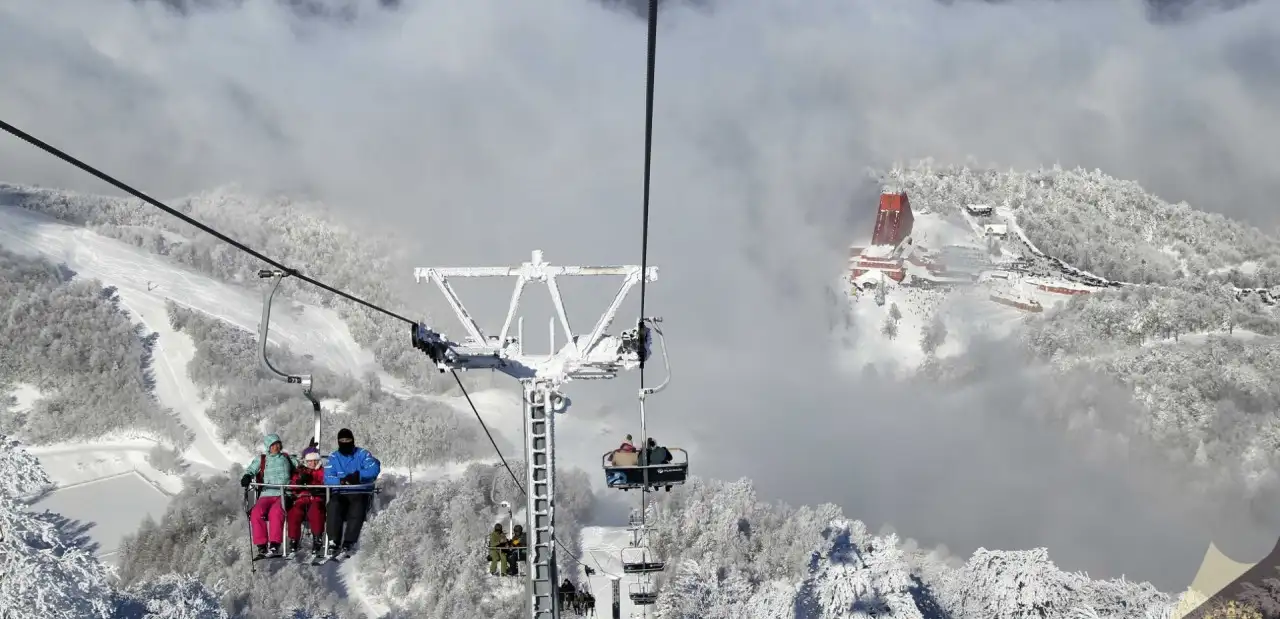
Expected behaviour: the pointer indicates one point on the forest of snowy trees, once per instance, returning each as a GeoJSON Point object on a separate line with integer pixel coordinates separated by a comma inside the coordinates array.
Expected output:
{"type": "Point", "coordinates": [735, 556]}
{"type": "Point", "coordinates": [297, 234]}
{"type": "Point", "coordinates": [401, 432]}
{"type": "Point", "coordinates": [1196, 362]}
{"type": "Point", "coordinates": [1194, 359]}
{"type": "Point", "coordinates": [69, 338]}
{"type": "Point", "coordinates": [1102, 224]}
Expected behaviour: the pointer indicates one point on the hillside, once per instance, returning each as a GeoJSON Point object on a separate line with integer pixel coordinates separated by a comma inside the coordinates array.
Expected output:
{"type": "Point", "coordinates": [731, 554]}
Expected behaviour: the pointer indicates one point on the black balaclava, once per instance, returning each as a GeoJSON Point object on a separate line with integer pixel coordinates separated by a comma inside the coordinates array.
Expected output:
{"type": "Point", "coordinates": [348, 446]}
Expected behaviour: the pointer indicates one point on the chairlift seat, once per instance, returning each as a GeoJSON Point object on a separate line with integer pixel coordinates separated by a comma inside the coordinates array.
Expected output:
{"type": "Point", "coordinates": [638, 561]}
{"type": "Point", "coordinates": [642, 595]}
{"type": "Point", "coordinates": [673, 473]}
{"type": "Point", "coordinates": [645, 567]}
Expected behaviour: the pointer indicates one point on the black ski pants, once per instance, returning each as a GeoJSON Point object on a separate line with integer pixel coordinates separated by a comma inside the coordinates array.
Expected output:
{"type": "Point", "coordinates": [348, 509]}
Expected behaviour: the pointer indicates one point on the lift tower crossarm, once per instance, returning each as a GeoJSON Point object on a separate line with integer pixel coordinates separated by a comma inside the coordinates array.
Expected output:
{"type": "Point", "coordinates": [579, 359]}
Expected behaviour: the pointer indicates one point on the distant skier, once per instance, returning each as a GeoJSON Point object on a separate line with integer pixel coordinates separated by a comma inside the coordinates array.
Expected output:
{"type": "Point", "coordinates": [272, 467]}
{"type": "Point", "coordinates": [308, 504]}
{"type": "Point", "coordinates": [349, 465]}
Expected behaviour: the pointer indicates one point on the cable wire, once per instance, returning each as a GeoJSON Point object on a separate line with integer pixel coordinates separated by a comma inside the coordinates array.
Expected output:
{"type": "Point", "coordinates": [644, 236]}
{"type": "Point", "coordinates": [34, 141]}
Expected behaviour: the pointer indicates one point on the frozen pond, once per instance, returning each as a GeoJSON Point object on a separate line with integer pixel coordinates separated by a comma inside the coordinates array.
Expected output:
{"type": "Point", "coordinates": [105, 510]}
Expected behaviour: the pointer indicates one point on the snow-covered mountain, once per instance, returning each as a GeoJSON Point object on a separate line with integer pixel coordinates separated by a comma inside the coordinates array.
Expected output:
{"type": "Point", "coordinates": [136, 387]}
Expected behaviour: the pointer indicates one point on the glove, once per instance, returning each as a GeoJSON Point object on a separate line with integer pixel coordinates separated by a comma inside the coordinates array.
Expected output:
{"type": "Point", "coordinates": [352, 478]}
{"type": "Point", "coordinates": [312, 442]}
{"type": "Point", "coordinates": [244, 481]}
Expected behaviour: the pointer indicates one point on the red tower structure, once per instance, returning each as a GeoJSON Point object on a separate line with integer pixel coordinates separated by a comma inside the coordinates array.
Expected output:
{"type": "Point", "coordinates": [893, 221]}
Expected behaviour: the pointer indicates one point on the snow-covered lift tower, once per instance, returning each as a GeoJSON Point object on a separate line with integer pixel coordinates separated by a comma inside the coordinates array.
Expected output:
{"type": "Point", "coordinates": [594, 356]}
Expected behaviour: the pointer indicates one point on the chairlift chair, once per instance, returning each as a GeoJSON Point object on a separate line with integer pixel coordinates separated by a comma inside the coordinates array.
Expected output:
{"type": "Point", "coordinates": [673, 473]}
{"type": "Point", "coordinates": [642, 594]}
{"type": "Point", "coordinates": [639, 560]}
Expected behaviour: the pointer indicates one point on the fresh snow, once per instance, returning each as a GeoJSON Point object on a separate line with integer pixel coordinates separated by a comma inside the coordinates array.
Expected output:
{"type": "Point", "coordinates": [70, 464]}
{"type": "Point", "coordinates": [601, 549]}
{"type": "Point", "coordinates": [25, 396]}
{"type": "Point", "coordinates": [174, 388]}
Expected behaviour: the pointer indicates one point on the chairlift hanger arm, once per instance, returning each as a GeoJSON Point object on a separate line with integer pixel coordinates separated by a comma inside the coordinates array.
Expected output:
{"type": "Point", "coordinates": [263, 329]}
{"type": "Point", "coordinates": [666, 360]}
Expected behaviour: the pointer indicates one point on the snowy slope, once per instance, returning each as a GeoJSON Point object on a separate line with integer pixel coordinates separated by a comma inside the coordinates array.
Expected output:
{"type": "Point", "coordinates": [144, 277]}
{"type": "Point", "coordinates": [601, 549]}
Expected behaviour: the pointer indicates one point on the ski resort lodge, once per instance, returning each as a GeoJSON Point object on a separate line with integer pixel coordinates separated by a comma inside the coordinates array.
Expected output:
{"type": "Point", "coordinates": [894, 254]}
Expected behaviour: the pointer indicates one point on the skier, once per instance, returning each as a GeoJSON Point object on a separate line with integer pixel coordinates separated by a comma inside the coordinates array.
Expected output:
{"type": "Point", "coordinates": [568, 594]}
{"type": "Point", "coordinates": [272, 467]}
{"type": "Point", "coordinates": [497, 551]}
{"type": "Point", "coordinates": [515, 552]}
{"type": "Point", "coordinates": [349, 465]}
{"type": "Point", "coordinates": [627, 446]}
{"type": "Point", "coordinates": [309, 503]}
{"type": "Point", "coordinates": [655, 454]}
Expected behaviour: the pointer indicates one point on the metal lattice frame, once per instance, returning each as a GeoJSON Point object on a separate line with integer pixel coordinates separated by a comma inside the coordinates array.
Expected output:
{"type": "Point", "coordinates": [595, 356]}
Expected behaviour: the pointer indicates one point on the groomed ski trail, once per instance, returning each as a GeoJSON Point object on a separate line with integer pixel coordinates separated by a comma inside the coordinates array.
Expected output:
{"type": "Point", "coordinates": [137, 273]}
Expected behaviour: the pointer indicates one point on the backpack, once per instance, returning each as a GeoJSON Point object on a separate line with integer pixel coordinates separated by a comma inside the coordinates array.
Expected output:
{"type": "Point", "coordinates": [262, 466]}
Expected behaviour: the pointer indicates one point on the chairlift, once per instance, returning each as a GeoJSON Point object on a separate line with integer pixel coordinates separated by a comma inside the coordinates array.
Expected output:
{"type": "Point", "coordinates": [630, 476]}
{"type": "Point", "coordinates": [254, 492]}
{"type": "Point", "coordinates": [639, 560]}
{"type": "Point", "coordinates": [642, 594]}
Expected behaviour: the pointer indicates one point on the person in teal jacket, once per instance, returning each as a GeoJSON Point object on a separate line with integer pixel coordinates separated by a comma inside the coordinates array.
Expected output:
{"type": "Point", "coordinates": [272, 467]}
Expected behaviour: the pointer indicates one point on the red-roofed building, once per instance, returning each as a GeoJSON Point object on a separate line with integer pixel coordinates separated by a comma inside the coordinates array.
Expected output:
{"type": "Point", "coordinates": [894, 220]}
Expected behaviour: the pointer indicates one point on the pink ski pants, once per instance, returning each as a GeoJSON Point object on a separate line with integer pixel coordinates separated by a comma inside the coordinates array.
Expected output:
{"type": "Point", "coordinates": [273, 528]}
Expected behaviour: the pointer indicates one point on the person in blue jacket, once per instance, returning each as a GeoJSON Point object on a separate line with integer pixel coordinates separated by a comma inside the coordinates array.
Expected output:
{"type": "Point", "coordinates": [349, 465]}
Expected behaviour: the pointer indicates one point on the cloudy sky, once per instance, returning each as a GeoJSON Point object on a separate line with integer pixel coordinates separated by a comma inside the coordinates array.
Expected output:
{"type": "Point", "coordinates": [479, 130]}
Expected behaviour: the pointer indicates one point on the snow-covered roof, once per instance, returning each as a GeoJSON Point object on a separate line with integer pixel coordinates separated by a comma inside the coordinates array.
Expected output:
{"type": "Point", "coordinates": [879, 251]}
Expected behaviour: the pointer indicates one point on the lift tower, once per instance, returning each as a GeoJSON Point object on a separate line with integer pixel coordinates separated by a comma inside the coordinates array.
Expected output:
{"type": "Point", "coordinates": [596, 355]}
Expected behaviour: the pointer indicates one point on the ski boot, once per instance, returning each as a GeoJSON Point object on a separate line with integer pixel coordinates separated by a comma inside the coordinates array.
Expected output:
{"type": "Point", "coordinates": [273, 549]}
{"type": "Point", "coordinates": [262, 552]}
{"type": "Point", "coordinates": [293, 547]}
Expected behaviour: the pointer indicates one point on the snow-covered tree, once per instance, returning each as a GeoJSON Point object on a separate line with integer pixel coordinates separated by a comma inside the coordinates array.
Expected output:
{"type": "Point", "coordinates": [70, 338]}
{"type": "Point", "coordinates": [889, 328]}
{"type": "Point", "coordinates": [21, 476]}
{"type": "Point", "coordinates": [933, 336]}
{"type": "Point", "coordinates": [41, 577]}
{"type": "Point", "coordinates": [172, 596]}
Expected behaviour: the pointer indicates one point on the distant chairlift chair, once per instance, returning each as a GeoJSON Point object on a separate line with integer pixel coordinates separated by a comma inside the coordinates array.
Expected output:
{"type": "Point", "coordinates": [640, 561]}
{"type": "Point", "coordinates": [642, 594]}
{"type": "Point", "coordinates": [626, 473]}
